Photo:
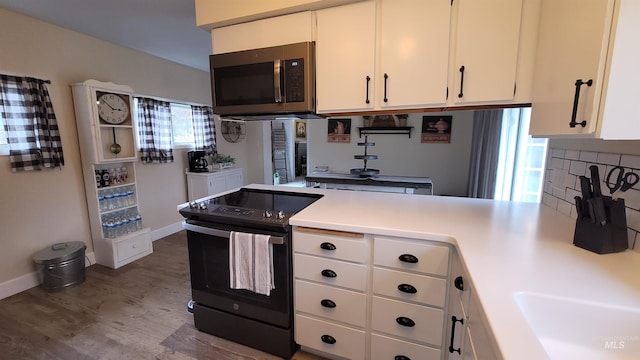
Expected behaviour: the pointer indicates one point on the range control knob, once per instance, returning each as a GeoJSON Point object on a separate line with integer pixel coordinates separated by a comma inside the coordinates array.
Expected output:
{"type": "Point", "coordinates": [268, 214]}
{"type": "Point", "coordinates": [202, 206]}
{"type": "Point", "coordinates": [280, 215]}
{"type": "Point", "coordinates": [193, 205]}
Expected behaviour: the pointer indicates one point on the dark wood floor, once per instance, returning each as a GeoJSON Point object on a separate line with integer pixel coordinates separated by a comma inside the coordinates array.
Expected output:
{"type": "Point", "coordinates": [135, 312]}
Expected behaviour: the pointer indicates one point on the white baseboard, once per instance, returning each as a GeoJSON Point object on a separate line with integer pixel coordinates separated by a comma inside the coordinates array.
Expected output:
{"type": "Point", "coordinates": [27, 281]}
{"type": "Point", "coordinates": [166, 231]}
{"type": "Point", "coordinates": [19, 284]}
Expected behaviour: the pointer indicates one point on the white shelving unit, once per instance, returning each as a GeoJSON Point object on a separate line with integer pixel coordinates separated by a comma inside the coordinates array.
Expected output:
{"type": "Point", "coordinates": [116, 224]}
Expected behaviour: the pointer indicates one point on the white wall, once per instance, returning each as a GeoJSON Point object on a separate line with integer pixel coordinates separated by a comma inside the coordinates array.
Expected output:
{"type": "Point", "coordinates": [38, 209]}
{"type": "Point", "coordinates": [446, 164]}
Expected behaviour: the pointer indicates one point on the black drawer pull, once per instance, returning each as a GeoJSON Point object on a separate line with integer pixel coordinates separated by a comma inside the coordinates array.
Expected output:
{"type": "Point", "coordinates": [329, 273]}
{"type": "Point", "coordinates": [408, 258]}
{"type": "Point", "coordinates": [401, 357]}
{"type": "Point", "coordinates": [405, 321]}
{"type": "Point", "coordinates": [406, 288]}
{"type": "Point", "coordinates": [459, 283]}
{"type": "Point", "coordinates": [327, 246]}
{"type": "Point", "coordinates": [453, 334]}
{"type": "Point", "coordinates": [328, 339]}
{"type": "Point", "coordinates": [328, 303]}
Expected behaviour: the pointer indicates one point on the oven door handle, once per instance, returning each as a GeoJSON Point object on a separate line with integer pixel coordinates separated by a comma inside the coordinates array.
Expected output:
{"type": "Point", "coordinates": [276, 240]}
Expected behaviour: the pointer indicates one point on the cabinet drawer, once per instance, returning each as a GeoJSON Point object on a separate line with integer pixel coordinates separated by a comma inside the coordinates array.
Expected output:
{"type": "Point", "coordinates": [350, 307]}
{"type": "Point", "coordinates": [350, 249]}
{"type": "Point", "coordinates": [349, 275]}
{"type": "Point", "coordinates": [432, 259]}
{"type": "Point", "coordinates": [428, 321]}
{"type": "Point", "coordinates": [428, 290]}
{"type": "Point", "coordinates": [131, 247]}
{"type": "Point", "coordinates": [387, 348]}
{"type": "Point", "coordinates": [349, 343]}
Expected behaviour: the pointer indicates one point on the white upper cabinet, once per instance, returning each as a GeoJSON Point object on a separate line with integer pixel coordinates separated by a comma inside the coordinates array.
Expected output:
{"type": "Point", "coordinates": [280, 30]}
{"type": "Point", "coordinates": [420, 47]}
{"type": "Point", "coordinates": [414, 53]}
{"type": "Point", "coordinates": [345, 57]}
{"type": "Point", "coordinates": [408, 71]}
{"type": "Point", "coordinates": [587, 40]}
{"type": "Point", "coordinates": [486, 50]}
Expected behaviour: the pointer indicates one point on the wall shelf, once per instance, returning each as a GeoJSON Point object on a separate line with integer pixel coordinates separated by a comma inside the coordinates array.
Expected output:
{"type": "Point", "coordinates": [402, 130]}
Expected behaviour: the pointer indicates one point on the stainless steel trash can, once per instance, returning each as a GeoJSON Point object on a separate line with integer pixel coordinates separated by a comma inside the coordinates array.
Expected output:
{"type": "Point", "coordinates": [61, 265]}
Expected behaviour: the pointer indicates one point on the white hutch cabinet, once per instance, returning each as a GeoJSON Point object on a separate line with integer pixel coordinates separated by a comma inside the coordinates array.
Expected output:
{"type": "Point", "coordinates": [204, 184]}
{"type": "Point", "coordinates": [107, 136]}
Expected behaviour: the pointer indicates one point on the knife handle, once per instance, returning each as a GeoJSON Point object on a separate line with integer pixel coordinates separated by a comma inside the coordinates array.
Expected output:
{"type": "Point", "coordinates": [599, 210]}
{"type": "Point", "coordinates": [579, 210]}
{"type": "Point", "coordinates": [591, 211]}
{"type": "Point", "coordinates": [595, 181]}
{"type": "Point", "coordinates": [585, 187]}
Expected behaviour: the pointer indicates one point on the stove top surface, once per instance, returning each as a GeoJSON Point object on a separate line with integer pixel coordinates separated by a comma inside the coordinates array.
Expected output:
{"type": "Point", "coordinates": [250, 206]}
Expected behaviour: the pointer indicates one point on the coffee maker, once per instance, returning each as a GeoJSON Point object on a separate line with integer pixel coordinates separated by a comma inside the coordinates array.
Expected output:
{"type": "Point", "coordinates": [197, 162]}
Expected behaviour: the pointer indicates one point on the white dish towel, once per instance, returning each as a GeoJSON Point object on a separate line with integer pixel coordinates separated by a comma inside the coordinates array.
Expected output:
{"type": "Point", "coordinates": [251, 262]}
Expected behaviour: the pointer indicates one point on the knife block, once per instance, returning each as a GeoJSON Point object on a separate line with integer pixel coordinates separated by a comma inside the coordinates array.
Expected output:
{"type": "Point", "coordinates": [604, 239]}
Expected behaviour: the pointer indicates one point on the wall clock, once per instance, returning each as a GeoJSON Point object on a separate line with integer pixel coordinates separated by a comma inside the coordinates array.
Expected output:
{"type": "Point", "coordinates": [113, 108]}
{"type": "Point", "coordinates": [233, 131]}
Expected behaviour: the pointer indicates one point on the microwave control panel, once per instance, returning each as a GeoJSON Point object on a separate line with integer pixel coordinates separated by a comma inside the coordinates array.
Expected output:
{"type": "Point", "coordinates": [294, 80]}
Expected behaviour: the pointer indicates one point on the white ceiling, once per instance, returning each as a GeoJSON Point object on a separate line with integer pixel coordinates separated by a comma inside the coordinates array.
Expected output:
{"type": "Point", "coordinates": [164, 28]}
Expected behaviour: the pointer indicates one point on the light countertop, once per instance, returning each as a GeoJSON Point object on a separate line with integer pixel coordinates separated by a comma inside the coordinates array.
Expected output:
{"type": "Point", "coordinates": [506, 248]}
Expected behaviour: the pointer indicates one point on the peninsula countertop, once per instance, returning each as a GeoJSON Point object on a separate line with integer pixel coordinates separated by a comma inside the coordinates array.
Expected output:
{"type": "Point", "coordinates": [507, 248]}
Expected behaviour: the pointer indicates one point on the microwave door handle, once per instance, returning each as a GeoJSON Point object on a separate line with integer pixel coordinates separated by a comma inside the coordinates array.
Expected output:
{"type": "Point", "coordinates": [277, 81]}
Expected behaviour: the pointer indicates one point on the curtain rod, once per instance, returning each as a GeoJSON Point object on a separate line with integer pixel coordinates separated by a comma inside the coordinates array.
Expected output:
{"type": "Point", "coordinates": [170, 100]}
{"type": "Point", "coordinates": [10, 73]}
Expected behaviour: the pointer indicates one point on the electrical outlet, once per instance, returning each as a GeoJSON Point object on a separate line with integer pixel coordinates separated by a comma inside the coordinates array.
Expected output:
{"type": "Point", "coordinates": [558, 179]}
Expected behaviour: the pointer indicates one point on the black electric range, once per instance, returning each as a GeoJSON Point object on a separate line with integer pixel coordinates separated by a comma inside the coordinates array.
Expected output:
{"type": "Point", "coordinates": [250, 207]}
{"type": "Point", "coordinates": [259, 321]}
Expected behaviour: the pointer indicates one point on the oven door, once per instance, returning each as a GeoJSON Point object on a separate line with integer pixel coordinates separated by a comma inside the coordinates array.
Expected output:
{"type": "Point", "coordinates": [209, 266]}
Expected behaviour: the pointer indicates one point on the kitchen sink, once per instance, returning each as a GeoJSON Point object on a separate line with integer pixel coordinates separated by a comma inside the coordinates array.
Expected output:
{"type": "Point", "coordinates": [576, 329]}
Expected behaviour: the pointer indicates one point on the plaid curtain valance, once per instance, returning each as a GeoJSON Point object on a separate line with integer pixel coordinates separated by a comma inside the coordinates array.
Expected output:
{"type": "Point", "coordinates": [204, 128]}
{"type": "Point", "coordinates": [154, 130]}
{"type": "Point", "coordinates": [30, 124]}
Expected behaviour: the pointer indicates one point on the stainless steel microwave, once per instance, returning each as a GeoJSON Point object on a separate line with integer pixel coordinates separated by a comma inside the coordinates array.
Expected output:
{"type": "Point", "coordinates": [277, 80]}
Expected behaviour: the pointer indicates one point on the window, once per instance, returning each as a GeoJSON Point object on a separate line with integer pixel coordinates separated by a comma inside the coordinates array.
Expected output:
{"type": "Point", "coordinates": [182, 126]}
{"type": "Point", "coordinates": [29, 124]}
{"type": "Point", "coordinates": [521, 161]}
{"type": "Point", "coordinates": [4, 145]}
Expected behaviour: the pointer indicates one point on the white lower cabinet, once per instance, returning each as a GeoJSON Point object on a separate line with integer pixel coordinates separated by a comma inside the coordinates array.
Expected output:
{"type": "Point", "coordinates": [410, 321]}
{"type": "Point", "coordinates": [384, 347]}
{"type": "Point", "coordinates": [330, 338]}
{"type": "Point", "coordinates": [331, 272]}
{"type": "Point", "coordinates": [428, 290]}
{"type": "Point", "coordinates": [330, 291]}
{"type": "Point", "coordinates": [201, 185]}
{"type": "Point", "coordinates": [331, 303]}
{"type": "Point", "coordinates": [469, 336]}
{"type": "Point", "coordinates": [367, 297]}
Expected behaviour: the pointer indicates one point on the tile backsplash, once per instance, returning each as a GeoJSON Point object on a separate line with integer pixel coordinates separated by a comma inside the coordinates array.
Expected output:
{"type": "Point", "coordinates": [562, 183]}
